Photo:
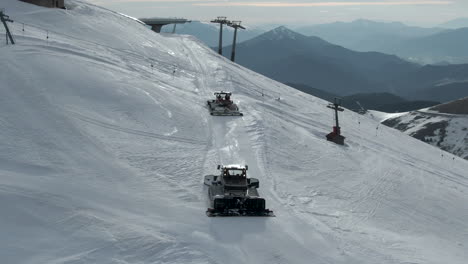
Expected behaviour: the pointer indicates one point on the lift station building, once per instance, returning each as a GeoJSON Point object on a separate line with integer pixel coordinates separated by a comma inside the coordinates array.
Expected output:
{"type": "Point", "coordinates": [47, 3]}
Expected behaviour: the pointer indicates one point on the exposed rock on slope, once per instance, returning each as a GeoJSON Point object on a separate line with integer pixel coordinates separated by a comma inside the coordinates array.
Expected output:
{"type": "Point", "coordinates": [444, 126]}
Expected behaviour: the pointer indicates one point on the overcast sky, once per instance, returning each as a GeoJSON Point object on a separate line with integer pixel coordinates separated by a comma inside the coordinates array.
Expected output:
{"type": "Point", "coordinates": [293, 12]}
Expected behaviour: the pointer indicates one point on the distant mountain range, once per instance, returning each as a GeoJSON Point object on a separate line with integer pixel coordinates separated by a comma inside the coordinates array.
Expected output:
{"type": "Point", "coordinates": [435, 82]}
{"type": "Point", "coordinates": [290, 57]}
{"type": "Point", "coordinates": [209, 33]}
{"type": "Point", "coordinates": [422, 45]}
{"type": "Point", "coordinates": [447, 46]}
{"type": "Point", "coordinates": [456, 23]}
{"type": "Point", "coordinates": [444, 44]}
{"type": "Point", "coordinates": [445, 92]}
{"type": "Point", "coordinates": [366, 35]}
{"type": "Point", "coordinates": [287, 56]}
{"type": "Point", "coordinates": [385, 102]}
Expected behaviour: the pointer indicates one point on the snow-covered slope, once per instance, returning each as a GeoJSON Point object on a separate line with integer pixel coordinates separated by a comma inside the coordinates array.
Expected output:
{"type": "Point", "coordinates": [103, 156]}
{"type": "Point", "coordinates": [381, 116]}
{"type": "Point", "coordinates": [444, 126]}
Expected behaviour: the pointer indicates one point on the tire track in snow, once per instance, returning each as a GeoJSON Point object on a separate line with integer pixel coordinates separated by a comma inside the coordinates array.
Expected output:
{"type": "Point", "coordinates": [240, 137]}
{"type": "Point", "coordinates": [203, 90]}
{"type": "Point", "coordinates": [286, 202]}
{"type": "Point", "coordinates": [212, 156]}
{"type": "Point", "coordinates": [133, 131]}
{"type": "Point", "coordinates": [249, 127]}
{"type": "Point", "coordinates": [231, 141]}
{"type": "Point", "coordinates": [418, 163]}
{"type": "Point", "coordinates": [421, 164]}
{"type": "Point", "coordinates": [168, 112]}
{"type": "Point", "coordinates": [372, 196]}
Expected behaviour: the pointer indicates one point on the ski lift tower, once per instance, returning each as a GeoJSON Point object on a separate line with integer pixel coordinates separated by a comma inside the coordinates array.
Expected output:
{"type": "Point", "coordinates": [336, 136]}
{"type": "Point", "coordinates": [235, 25]}
{"type": "Point", "coordinates": [221, 21]}
{"type": "Point", "coordinates": [4, 18]}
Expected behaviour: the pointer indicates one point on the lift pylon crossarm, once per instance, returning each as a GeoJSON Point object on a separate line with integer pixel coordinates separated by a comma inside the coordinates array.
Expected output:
{"type": "Point", "coordinates": [221, 21]}
{"type": "Point", "coordinates": [236, 25]}
{"type": "Point", "coordinates": [4, 18]}
{"type": "Point", "coordinates": [335, 106]}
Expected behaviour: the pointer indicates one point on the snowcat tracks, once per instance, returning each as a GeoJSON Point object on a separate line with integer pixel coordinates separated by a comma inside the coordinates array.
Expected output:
{"type": "Point", "coordinates": [231, 207]}
{"type": "Point", "coordinates": [226, 114]}
{"type": "Point", "coordinates": [222, 113]}
{"type": "Point", "coordinates": [239, 213]}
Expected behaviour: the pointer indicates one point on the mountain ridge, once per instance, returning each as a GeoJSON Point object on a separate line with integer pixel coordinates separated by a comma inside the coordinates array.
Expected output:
{"type": "Point", "coordinates": [366, 35]}
{"type": "Point", "coordinates": [417, 44]}
{"type": "Point", "coordinates": [317, 63]}
{"type": "Point", "coordinates": [455, 23]}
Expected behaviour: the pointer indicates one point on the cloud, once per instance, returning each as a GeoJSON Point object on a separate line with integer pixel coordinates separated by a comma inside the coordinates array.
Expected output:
{"type": "Point", "coordinates": [325, 4]}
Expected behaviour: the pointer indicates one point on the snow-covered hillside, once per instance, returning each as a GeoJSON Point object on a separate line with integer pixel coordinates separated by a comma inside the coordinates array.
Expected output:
{"type": "Point", "coordinates": [443, 126]}
{"type": "Point", "coordinates": [103, 156]}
